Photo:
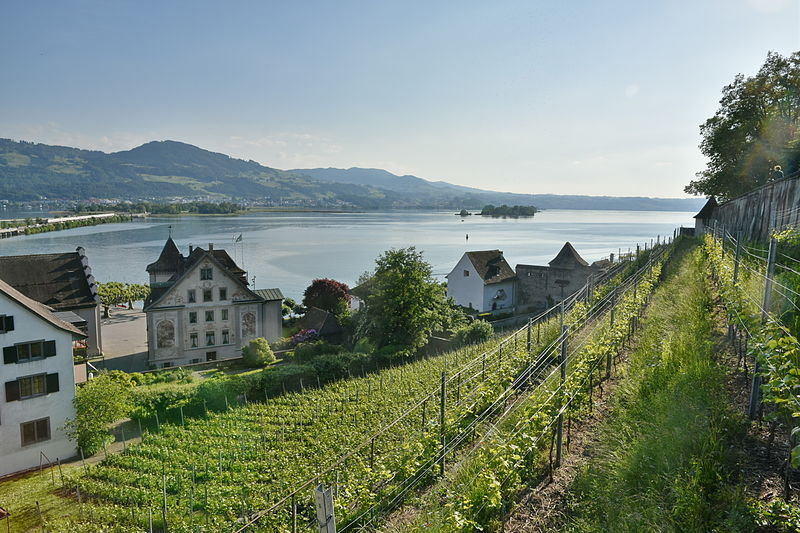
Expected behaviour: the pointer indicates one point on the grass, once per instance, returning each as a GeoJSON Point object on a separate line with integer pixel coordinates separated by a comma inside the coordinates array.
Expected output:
{"type": "Point", "coordinates": [21, 494]}
{"type": "Point", "coordinates": [664, 462]}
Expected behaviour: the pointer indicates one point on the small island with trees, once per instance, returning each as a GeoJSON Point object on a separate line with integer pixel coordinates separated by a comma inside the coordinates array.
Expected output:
{"type": "Point", "coordinates": [506, 211]}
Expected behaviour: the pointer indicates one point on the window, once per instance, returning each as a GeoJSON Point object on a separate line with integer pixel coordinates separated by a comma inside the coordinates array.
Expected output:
{"type": "Point", "coordinates": [6, 323]}
{"type": "Point", "coordinates": [193, 340]}
{"type": "Point", "coordinates": [224, 314]}
{"type": "Point", "coordinates": [29, 351]}
{"type": "Point", "coordinates": [211, 356]}
{"type": "Point", "coordinates": [206, 273]}
{"type": "Point", "coordinates": [36, 431]}
{"type": "Point", "coordinates": [223, 293]}
{"type": "Point", "coordinates": [31, 386]}
{"type": "Point", "coordinates": [466, 273]}
{"type": "Point", "coordinates": [192, 317]}
{"type": "Point", "coordinates": [190, 296]}
{"type": "Point", "coordinates": [226, 337]}
{"type": "Point", "coordinates": [209, 316]}
{"type": "Point", "coordinates": [166, 365]}
{"type": "Point", "coordinates": [194, 361]}
{"type": "Point", "coordinates": [207, 295]}
{"type": "Point", "coordinates": [210, 341]}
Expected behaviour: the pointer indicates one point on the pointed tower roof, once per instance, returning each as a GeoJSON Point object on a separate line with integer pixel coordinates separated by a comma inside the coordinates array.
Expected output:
{"type": "Point", "coordinates": [568, 255]}
{"type": "Point", "coordinates": [708, 209]}
{"type": "Point", "coordinates": [170, 259]}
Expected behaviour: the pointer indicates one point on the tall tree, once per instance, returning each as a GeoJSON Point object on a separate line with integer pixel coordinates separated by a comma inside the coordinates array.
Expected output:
{"type": "Point", "coordinates": [405, 303]}
{"type": "Point", "coordinates": [327, 294]}
{"type": "Point", "coordinates": [756, 128]}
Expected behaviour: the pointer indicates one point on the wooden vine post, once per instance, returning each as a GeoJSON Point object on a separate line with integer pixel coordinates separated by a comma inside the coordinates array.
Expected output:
{"type": "Point", "coordinates": [441, 423]}
{"type": "Point", "coordinates": [563, 365]}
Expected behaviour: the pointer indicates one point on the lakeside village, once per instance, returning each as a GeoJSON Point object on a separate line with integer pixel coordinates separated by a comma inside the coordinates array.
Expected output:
{"type": "Point", "coordinates": [203, 322]}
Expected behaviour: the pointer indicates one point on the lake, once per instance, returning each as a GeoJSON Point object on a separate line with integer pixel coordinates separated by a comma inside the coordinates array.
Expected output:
{"type": "Point", "coordinates": [288, 250]}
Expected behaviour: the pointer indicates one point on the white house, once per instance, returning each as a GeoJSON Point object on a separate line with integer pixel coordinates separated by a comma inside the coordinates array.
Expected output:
{"type": "Point", "coordinates": [482, 280]}
{"type": "Point", "coordinates": [38, 382]}
{"type": "Point", "coordinates": [201, 309]}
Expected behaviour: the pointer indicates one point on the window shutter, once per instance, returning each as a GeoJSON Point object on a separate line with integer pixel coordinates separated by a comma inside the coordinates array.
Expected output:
{"type": "Point", "coordinates": [49, 348]}
{"type": "Point", "coordinates": [9, 323]}
{"type": "Point", "coordinates": [10, 354]}
{"type": "Point", "coordinates": [52, 383]}
{"type": "Point", "coordinates": [12, 391]}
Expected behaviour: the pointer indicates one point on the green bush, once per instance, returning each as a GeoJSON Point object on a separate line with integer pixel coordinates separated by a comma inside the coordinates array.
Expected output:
{"type": "Point", "coordinates": [258, 353]}
{"type": "Point", "coordinates": [307, 351]}
{"type": "Point", "coordinates": [474, 332]}
{"type": "Point", "coordinates": [334, 366]}
{"type": "Point", "coordinates": [364, 346]}
{"type": "Point", "coordinates": [99, 402]}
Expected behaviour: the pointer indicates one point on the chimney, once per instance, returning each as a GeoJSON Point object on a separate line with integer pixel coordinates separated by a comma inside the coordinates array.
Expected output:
{"type": "Point", "coordinates": [191, 248]}
{"type": "Point", "coordinates": [210, 246]}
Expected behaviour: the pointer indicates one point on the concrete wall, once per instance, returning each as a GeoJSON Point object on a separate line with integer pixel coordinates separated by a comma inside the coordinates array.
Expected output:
{"type": "Point", "coordinates": [94, 341]}
{"type": "Point", "coordinates": [753, 212]}
{"type": "Point", "coordinates": [57, 406]}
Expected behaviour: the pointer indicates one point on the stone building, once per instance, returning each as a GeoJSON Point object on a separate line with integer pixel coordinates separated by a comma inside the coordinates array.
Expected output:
{"type": "Point", "coordinates": [201, 308]}
{"type": "Point", "coordinates": [38, 383]}
{"type": "Point", "coordinates": [62, 281]}
{"type": "Point", "coordinates": [544, 286]}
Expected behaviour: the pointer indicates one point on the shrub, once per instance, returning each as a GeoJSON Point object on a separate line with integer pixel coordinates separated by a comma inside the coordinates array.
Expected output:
{"type": "Point", "coordinates": [257, 353]}
{"type": "Point", "coordinates": [99, 402]}
{"type": "Point", "coordinates": [334, 366]}
{"type": "Point", "coordinates": [307, 351]}
{"type": "Point", "coordinates": [364, 346]}
{"type": "Point", "coordinates": [304, 335]}
{"type": "Point", "coordinates": [473, 333]}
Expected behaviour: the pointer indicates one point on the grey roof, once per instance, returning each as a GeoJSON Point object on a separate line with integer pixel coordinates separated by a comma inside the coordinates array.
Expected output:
{"type": "Point", "coordinates": [269, 294]}
{"type": "Point", "coordinates": [39, 309]}
{"type": "Point", "coordinates": [170, 259]}
{"type": "Point", "coordinates": [57, 280]}
{"type": "Point", "coordinates": [492, 267]}
{"type": "Point", "coordinates": [707, 209]}
{"type": "Point", "coordinates": [568, 255]}
{"type": "Point", "coordinates": [71, 318]}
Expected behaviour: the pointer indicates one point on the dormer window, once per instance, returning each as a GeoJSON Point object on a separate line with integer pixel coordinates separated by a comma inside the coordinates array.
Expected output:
{"type": "Point", "coordinates": [206, 273]}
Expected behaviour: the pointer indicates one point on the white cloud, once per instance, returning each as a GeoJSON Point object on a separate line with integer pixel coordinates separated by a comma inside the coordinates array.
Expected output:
{"type": "Point", "coordinates": [632, 90]}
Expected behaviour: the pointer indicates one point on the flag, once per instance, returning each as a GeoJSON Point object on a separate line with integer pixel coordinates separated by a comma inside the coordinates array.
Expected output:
{"type": "Point", "coordinates": [239, 238]}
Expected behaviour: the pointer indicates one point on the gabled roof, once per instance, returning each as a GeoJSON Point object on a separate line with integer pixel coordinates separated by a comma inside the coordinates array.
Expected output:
{"type": "Point", "coordinates": [58, 280]}
{"type": "Point", "coordinates": [321, 321]}
{"type": "Point", "coordinates": [568, 255]}
{"type": "Point", "coordinates": [269, 294]}
{"type": "Point", "coordinates": [707, 209]}
{"type": "Point", "coordinates": [170, 260]}
{"type": "Point", "coordinates": [194, 259]}
{"type": "Point", "coordinates": [41, 310]}
{"type": "Point", "coordinates": [491, 266]}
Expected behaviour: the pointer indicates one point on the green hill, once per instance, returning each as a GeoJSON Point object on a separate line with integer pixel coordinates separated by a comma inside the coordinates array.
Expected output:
{"type": "Point", "coordinates": [161, 170]}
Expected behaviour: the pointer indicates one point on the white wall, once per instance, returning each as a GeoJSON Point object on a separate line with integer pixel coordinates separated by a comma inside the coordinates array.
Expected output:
{"type": "Point", "coordinates": [175, 307]}
{"type": "Point", "coordinates": [489, 292]}
{"type": "Point", "coordinates": [273, 320]}
{"type": "Point", "coordinates": [57, 406]}
{"type": "Point", "coordinates": [467, 291]}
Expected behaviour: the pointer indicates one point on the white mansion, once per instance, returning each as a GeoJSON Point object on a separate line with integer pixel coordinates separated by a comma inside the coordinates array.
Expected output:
{"type": "Point", "coordinates": [201, 309]}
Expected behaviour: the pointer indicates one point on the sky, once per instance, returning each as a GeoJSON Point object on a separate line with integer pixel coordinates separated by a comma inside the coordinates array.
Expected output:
{"type": "Point", "coordinates": [579, 97]}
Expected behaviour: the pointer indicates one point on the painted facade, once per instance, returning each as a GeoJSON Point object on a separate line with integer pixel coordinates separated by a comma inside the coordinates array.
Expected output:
{"type": "Point", "coordinates": [201, 308]}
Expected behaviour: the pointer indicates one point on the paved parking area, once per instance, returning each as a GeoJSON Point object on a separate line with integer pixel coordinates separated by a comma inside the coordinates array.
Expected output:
{"type": "Point", "coordinates": [125, 340]}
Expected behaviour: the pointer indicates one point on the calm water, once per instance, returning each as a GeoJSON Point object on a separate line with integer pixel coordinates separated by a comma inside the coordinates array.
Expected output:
{"type": "Point", "coordinates": [288, 250]}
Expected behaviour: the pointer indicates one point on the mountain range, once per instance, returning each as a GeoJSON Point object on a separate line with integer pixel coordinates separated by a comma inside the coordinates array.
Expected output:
{"type": "Point", "coordinates": [164, 170]}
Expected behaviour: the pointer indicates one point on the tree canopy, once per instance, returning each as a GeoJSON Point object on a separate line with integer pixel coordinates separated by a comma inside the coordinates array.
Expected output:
{"type": "Point", "coordinates": [755, 128]}
{"type": "Point", "coordinates": [327, 294]}
{"type": "Point", "coordinates": [406, 303]}
{"type": "Point", "coordinates": [115, 293]}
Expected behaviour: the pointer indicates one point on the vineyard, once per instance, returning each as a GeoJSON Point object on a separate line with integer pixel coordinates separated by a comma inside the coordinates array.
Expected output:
{"type": "Point", "coordinates": [375, 438]}
{"type": "Point", "coordinates": [761, 293]}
